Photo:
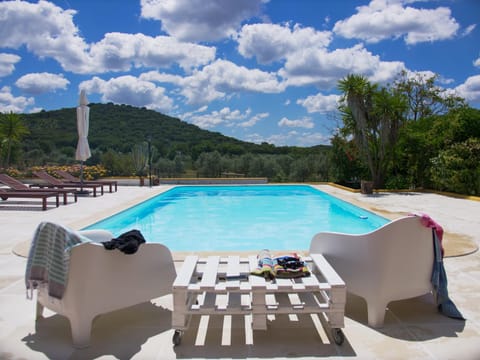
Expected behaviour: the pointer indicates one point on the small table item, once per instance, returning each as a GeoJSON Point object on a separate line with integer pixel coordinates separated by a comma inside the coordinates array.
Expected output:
{"type": "Point", "coordinates": [225, 286]}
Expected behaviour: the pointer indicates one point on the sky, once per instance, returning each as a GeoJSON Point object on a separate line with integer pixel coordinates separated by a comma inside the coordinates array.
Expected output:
{"type": "Point", "coordinates": [256, 70]}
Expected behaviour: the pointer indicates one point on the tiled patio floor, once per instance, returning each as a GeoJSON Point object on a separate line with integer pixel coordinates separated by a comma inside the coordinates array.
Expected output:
{"type": "Point", "coordinates": [413, 329]}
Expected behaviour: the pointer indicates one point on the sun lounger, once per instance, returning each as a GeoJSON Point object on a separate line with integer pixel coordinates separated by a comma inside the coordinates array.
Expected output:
{"type": "Point", "coordinates": [69, 178]}
{"type": "Point", "coordinates": [52, 182]}
{"type": "Point", "coordinates": [97, 280]}
{"type": "Point", "coordinates": [16, 185]}
{"type": "Point", "coordinates": [6, 194]}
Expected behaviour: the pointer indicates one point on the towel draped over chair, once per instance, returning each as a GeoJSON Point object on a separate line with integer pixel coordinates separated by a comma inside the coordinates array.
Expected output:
{"type": "Point", "coordinates": [49, 258]}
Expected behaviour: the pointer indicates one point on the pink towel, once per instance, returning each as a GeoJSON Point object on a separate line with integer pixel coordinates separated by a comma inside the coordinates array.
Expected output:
{"type": "Point", "coordinates": [427, 221]}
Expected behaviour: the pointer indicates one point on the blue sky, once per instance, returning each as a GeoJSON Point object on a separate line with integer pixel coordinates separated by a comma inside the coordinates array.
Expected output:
{"type": "Point", "coordinates": [256, 70]}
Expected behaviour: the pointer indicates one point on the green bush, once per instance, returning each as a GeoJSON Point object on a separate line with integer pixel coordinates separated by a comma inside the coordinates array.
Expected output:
{"type": "Point", "coordinates": [89, 172]}
{"type": "Point", "coordinates": [457, 168]}
{"type": "Point", "coordinates": [398, 182]}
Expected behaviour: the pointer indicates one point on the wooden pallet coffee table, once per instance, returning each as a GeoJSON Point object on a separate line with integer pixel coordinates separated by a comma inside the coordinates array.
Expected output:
{"type": "Point", "coordinates": [224, 286]}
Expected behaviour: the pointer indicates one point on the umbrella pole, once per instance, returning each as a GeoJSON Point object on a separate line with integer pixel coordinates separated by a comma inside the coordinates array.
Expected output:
{"type": "Point", "coordinates": [81, 176]}
{"type": "Point", "coordinates": [82, 192]}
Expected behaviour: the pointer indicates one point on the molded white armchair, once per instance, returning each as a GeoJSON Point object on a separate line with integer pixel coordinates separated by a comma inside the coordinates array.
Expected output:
{"type": "Point", "coordinates": [391, 263]}
{"type": "Point", "coordinates": [100, 281]}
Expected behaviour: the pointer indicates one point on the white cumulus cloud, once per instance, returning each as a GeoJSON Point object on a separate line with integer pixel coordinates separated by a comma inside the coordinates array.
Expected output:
{"type": "Point", "coordinates": [323, 69]}
{"type": "Point", "coordinates": [7, 63]}
{"type": "Point", "coordinates": [46, 30]}
{"type": "Point", "coordinates": [291, 138]}
{"type": "Point", "coordinates": [39, 83]}
{"type": "Point", "coordinates": [223, 77]}
{"type": "Point", "coordinates": [161, 77]}
{"type": "Point", "coordinates": [384, 19]}
{"type": "Point", "coordinates": [118, 51]}
{"type": "Point", "coordinates": [470, 89]}
{"type": "Point", "coordinates": [254, 120]}
{"type": "Point", "coordinates": [305, 122]}
{"type": "Point", "coordinates": [225, 116]}
{"type": "Point", "coordinates": [271, 42]}
{"type": "Point", "coordinates": [129, 90]}
{"type": "Point", "coordinates": [200, 20]}
{"type": "Point", "coordinates": [11, 103]}
{"type": "Point", "coordinates": [320, 103]}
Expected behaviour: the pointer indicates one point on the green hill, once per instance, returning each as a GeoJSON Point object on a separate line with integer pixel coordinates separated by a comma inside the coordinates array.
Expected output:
{"type": "Point", "coordinates": [119, 127]}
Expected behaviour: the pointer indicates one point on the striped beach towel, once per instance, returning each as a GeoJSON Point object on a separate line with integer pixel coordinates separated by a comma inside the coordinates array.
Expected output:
{"type": "Point", "coordinates": [49, 258]}
{"type": "Point", "coordinates": [265, 265]}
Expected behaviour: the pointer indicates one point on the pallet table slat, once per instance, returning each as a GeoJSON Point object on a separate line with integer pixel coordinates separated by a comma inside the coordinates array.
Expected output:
{"type": "Point", "coordinates": [283, 284]}
{"type": "Point", "coordinates": [233, 270]}
{"type": "Point", "coordinates": [209, 277]}
{"type": "Point", "coordinates": [185, 275]}
{"type": "Point", "coordinates": [311, 282]}
{"type": "Point", "coordinates": [327, 270]}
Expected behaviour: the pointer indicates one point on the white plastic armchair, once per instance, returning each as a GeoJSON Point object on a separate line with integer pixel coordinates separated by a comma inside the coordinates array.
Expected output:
{"type": "Point", "coordinates": [391, 263]}
{"type": "Point", "coordinates": [100, 281]}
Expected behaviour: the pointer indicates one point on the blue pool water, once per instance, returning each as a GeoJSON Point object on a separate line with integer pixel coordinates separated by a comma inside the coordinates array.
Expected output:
{"type": "Point", "coordinates": [225, 218]}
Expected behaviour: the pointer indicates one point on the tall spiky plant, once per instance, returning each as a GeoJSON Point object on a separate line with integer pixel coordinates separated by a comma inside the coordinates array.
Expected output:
{"type": "Point", "coordinates": [140, 158]}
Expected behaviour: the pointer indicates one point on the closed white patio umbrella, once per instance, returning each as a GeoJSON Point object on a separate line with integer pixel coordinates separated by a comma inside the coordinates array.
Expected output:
{"type": "Point", "coordinates": [83, 149]}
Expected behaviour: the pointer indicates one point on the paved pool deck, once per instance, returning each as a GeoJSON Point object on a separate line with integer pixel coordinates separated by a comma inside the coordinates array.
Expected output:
{"type": "Point", "coordinates": [413, 328]}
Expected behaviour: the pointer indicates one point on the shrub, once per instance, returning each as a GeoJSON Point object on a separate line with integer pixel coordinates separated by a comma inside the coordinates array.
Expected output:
{"type": "Point", "coordinates": [89, 172]}
{"type": "Point", "coordinates": [457, 168]}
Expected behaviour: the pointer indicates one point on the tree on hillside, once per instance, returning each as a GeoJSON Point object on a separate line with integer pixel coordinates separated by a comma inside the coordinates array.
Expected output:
{"type": "Point", "coordinates": [12, 130]}
{"type": "Point", "coordinates": [209, 164]}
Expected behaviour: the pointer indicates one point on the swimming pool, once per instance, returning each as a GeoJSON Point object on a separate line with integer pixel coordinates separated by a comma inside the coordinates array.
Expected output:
{"type": "Point", "coordinates": [240, 218]}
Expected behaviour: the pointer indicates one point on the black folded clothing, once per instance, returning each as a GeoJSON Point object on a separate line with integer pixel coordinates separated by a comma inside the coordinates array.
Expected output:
{"type": "Point", "coordinates": [127, 243]}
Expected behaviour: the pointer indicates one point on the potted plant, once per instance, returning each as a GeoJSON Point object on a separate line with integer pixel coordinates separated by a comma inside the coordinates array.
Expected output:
{"type": "Point", "coordinates": [366, 186]}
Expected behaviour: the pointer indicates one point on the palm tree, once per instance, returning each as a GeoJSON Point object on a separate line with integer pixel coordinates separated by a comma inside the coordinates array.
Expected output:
{"type": "Point", "coordinates": [12, 130]}
{"type": "Point", "coordinates": [356, 109]}
{"type": "Point", "coordinates": [373, 116]}
{"type": "Point", "coordinates": [357, 93]}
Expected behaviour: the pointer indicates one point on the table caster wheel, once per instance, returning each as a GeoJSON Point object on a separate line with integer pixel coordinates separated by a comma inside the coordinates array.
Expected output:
{"type": "Point", "coordinates": [338, 336]}
{"type": "Point", "coordinates": [177, 338]}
